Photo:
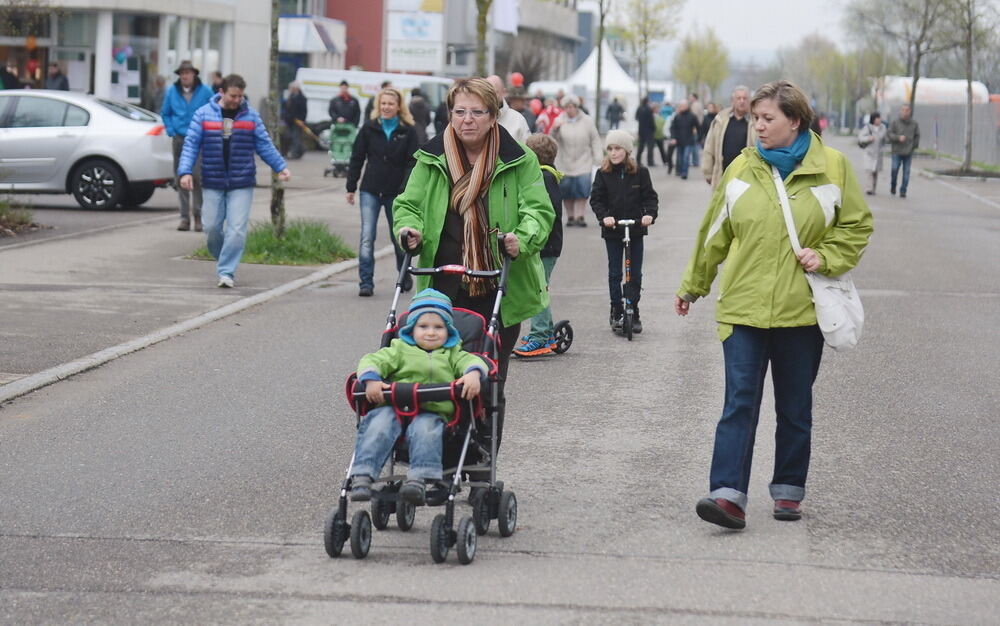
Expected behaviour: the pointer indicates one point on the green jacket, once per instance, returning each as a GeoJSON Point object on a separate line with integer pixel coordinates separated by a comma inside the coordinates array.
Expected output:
{"type": "Point", "coordinates": [518, 203]}
{"type": "Point", "coordinates": [763, 285]}
{"type": "Point", "coordinates": [402, 363]}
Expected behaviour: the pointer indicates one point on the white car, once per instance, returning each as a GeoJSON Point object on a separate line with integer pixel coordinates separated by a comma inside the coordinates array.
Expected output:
{"type": "Point", "coordinates": [105, 153]}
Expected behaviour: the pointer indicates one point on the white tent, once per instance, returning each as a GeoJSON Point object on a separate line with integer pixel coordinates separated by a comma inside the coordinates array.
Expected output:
{"type": "Point", "coordinates": [615, 83]}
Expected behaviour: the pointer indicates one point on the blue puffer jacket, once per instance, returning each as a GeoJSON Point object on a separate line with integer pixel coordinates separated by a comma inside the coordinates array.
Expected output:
{"type": "Point", "coordinates": [249, 136]}
{"type": "Point", "coordinates": [177, 112]}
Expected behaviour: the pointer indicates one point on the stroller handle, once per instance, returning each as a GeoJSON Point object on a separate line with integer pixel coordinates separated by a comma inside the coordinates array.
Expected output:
{"type": "Point", "coordinates": [453, 269]}
{"type": "Point", "coordinates": [432, 392]}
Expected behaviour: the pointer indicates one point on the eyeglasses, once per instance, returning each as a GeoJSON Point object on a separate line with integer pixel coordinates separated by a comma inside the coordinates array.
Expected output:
{"type": "Point", "coordinates": [475, 113]}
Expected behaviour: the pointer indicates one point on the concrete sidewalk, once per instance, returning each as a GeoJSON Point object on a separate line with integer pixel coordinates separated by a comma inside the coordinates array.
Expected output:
{"type": "Point", "coordinates": [71, 297]}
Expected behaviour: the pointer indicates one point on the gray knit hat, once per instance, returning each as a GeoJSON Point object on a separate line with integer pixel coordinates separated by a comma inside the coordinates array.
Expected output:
{"type": "Point", "coordinates": [621, 138]}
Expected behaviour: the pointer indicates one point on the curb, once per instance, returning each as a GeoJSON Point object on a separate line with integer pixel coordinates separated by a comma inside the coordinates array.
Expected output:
{"type": "Point", "coordinates": [971, 179]}
{"type": "Point", "coordinates": [55, 374]}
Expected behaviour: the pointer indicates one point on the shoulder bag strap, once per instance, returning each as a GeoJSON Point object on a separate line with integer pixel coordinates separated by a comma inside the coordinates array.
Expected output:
{"type": "Point", "coordinates": [779, 185]}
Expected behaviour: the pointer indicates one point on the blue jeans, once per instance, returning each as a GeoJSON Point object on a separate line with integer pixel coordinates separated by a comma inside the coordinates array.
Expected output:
{"type": "Point", "coordinates": [897, 160]}
{"type": "Point", "coordinates": [380, 429]}
{"type": "Point", "coordinates": [794, 356]}
{"type": "Point", "coordinates": [541, 324]}
{"type": "Point", "coordinates": [695, 154]}
{"type": "Point", "coordinates": [371, 205]}
{"type": "Point", "coordinates": [683, 160]}
{"type": "Point", "coordinates": [616, 256]}
{"type": "Point", "coordinates": [225, 216]}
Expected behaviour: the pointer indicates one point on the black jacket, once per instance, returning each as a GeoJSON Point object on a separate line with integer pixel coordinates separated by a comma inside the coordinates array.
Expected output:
{"type": "Point", "coordinates": [421, 112]}
{"type": "Point", "coordinates": [647, 126]}
{"type": "Point", "coordinates": [348, 109]}
{"type": "Point", "coordinates": [706, 124]}
{"type": "Point", "coordinates": [623, 196]}
{"type": "Point", "coordinates": [440, 117]}
{"type": "Point", "coordinates": [684, 128]}
{"type": "Point", "coordinates": [295, 109]}
{"type": "Point", "coordinates": [389, 162]}
{"type": "Point", "coordinates": [553, 247]}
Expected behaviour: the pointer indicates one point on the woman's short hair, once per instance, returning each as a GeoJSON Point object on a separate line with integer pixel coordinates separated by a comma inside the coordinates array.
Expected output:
{"type": "Point", "coordinates": [544, 147]}
{"type": "Point", "coordinates": [790, 99]}
{"type": "Point", "coordinates": [568, 100]}
{"type": "Point", "coordinates": [404, 111]}
{"type": "Point", "coordinates": [874, 116]}
{"type": "Point", "coordinates": [478, 87]}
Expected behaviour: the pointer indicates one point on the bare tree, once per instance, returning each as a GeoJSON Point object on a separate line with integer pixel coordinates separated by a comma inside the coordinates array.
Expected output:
{"type": "Point", "coordinates": [274, 89]}
{"type": "Point", "coordinates": [645, 22]}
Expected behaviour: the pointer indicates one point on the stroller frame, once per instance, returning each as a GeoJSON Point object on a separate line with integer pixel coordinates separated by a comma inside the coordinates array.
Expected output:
{"type": "Point", "coordinates": [487, 496]}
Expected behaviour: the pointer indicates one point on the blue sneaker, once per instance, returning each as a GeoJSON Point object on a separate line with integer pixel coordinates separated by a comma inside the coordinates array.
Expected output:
{"type": "Point", "coordinates": [533, 348]}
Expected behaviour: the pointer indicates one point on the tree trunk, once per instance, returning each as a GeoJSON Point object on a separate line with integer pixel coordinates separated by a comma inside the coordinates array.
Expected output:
{"type": "Point", "coordinates": [916, 77]}
{"type": "Point", "coordinates": [277, 187]}
{"type": "Point", "coordinates": [483, 11]}
{"type": "Point", "coordinates": [600, 63]}
{"type": "Point", "coordinates": [969, 24]}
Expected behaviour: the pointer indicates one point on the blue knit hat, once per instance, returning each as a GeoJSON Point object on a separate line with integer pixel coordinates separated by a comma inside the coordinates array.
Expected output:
{"type": "Point", "coordinates": [430, 301]}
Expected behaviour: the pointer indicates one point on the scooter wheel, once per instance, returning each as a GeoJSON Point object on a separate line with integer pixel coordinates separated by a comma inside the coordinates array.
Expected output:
{"type": "Point", "coordinates": [564, 337]}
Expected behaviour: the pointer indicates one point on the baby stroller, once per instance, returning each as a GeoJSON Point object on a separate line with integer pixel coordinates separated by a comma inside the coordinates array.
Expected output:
{"type": "Point", "coordinates": [469, 452]}
{"type": "Point", "coordinates": [341, 140]}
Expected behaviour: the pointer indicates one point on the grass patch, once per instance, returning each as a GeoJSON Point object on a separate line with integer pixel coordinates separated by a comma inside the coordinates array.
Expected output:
{"type": "Point", "coordinates": [304, 243]}
{"type": "Point", "coordinates": [14, 219]}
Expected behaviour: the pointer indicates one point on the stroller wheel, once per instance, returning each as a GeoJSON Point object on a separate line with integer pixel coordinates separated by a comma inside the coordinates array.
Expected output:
{"type": "Point", "coordinates": [334, 533]}
{"type": "Point", "coordinates": [466, 540]}
{"type": "Point", "coordinates": [361, 534]}
{"type": "Point", "coordinates": [480, 501]}
{"type": "Point", "coordinates": [507, 520]}
{"type": "Point", "coordinates": [564, 336]}
{"type": "Point", "coordinates": [439, 539]}
{"type": "Point", "coordinates": [380, 513]}
{"type": "Point", "coordinates": [405, 512]}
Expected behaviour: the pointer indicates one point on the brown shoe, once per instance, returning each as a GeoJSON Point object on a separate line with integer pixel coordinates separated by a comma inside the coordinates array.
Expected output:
{"type": "Point", "coordinates": [184, 225]}
{"type": "Point", "coordinates": [787, 510]}
{"type": "Point", "coordinates": [722, 512]}
{"type": "Point", "coordinates": [197, 225]}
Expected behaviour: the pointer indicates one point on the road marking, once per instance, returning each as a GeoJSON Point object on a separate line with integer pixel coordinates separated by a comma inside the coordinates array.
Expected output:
{"type": "Point", "coordinates": [986, 201]}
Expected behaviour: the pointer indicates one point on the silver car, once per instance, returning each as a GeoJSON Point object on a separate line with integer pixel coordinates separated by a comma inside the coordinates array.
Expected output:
{"type": "Point", "coordinates": [103, 152]}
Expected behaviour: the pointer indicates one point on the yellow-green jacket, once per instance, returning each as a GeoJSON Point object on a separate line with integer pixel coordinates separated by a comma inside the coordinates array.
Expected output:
{"type": "Point", "coordinates": [763, 285]}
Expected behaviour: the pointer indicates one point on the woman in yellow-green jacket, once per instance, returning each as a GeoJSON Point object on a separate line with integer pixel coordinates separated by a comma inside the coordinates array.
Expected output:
{"type": "Point", "coordinates": [764, 307]}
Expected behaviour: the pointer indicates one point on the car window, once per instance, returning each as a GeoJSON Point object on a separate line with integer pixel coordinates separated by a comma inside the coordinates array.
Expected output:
{"type": "Point", "coordinates": [75, 116]}
{"type": "Point", "coordinates": [130, 111]}
{"type": "Point", "coordinates": [33, 112]}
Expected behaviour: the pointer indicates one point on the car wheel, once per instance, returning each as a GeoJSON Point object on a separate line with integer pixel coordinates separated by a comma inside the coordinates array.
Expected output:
{"type": "Point", "coordinates": [98, 184]}
{"type": "Point", "coordinates": [138, 194]}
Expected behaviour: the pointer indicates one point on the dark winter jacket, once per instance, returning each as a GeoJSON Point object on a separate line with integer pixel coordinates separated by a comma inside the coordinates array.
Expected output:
{"type": "Point", "coordinates": [421, 112]}
{"type": "Point", "coordinates": [249, 137]}
{"type": "Point", "coordinates": [903, 128]}
{"type": "Point", "coordinates": [348, 109]}
{"type": "Point", "coordinates": [441, 117]}
{"type": "Point", "coordinates": [177, 112]}
{"type": "Point", "coordinates": [684, 128]}
{"type": "Point", "coordinates": [706, 123]}
{"type": "Point", "coordinates": [623, 196]}
{"type": "Point", "coordinates": [295, 109]}
{"type": "Point", "coordinates": [553, 247]}
{"type": "Point", "coordinates": [389, 162]}
{"type": "Point", "coordinates": [647, 125]}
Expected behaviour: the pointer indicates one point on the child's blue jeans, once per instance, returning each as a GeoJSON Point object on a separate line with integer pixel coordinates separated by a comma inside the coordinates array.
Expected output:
{"type": "Point", "coordinates": [616, 273]}
{"type": "Point", "coordinates": [379, 431]}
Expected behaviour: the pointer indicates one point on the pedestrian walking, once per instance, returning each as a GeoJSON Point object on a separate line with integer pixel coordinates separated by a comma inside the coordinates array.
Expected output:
{"type": "Point", "coordinates": [344, 107]}
{"type": "Point", "coordinates": [614, 114]}
{"type": "Point", "coordinates": [696, 108]}
{"type": "Point", "coordinates": [510, 119]}
{"type": "Point", "coordinates": [711, 110]}
{"type": "Point", "coordinates": [386, 143]}
{"type": "Point", "coordinates": [765, 311]}
{"type": "Point", "coordinates": [227, 132]}
{"type": "Point", "coordinates": [470, 183]}
{"type": "Point", "coordinates": [904, 137]}
{"type": "Point", "coordinates": [684, 135]}
{"type": "Point", "coordinates": [871, 139]}
{"type": "Point", "coordinates": [182, 99]}
{"type": "Point", "coordinates": [659, 138]}
{"type": "Point", "coordinates": [516, 101]}
{"type": "Point", "coordinates": [647, 130]}
{"type": "Point", "coordinates": [441, 118]}
{"type": "Point", "coordinates": [623, 190]}
{"type": "Point", "coordinates": [548, 116]}
{"type": "Point", "coordinates": [730, 132]}
{"type": "Point", "coordinates": [295, 119]}
{"type": "Point", "coordinates": [56, 79]}
{"type": "Point", "coordinates": [216, 81]}
{"type": "Point", "coordinates": [153, 99]}
{"type": "Point", "coordinates": [420, 111]}
{"type": "Point", "coordinates": [580, 149]}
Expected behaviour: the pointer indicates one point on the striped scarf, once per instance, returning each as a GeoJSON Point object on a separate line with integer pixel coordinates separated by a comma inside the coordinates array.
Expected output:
{"type": "Point", "coordinates": [469, 185]}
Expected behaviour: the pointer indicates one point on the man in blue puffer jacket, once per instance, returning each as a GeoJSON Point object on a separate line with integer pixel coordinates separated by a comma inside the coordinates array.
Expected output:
{"type": "Point", "coordinates": [227, 133]}
{"type": "Point", "coordinates": [180, 102]}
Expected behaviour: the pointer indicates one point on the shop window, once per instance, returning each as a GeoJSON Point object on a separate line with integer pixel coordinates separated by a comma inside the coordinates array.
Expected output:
{"type": "Point", "coordinates": [77, 29]}
{"type": "Point", "coordinates": [32, 112]}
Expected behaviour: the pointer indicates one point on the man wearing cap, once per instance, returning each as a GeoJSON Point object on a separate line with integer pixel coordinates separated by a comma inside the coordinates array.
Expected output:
{"type": "Point", "coordinates": [344, 107]}
{"type": "Point", "coordinates": [180, 102]}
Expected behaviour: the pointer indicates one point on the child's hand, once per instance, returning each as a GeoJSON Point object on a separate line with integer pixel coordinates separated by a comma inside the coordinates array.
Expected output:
{"type": "Point", "coordinates": [647, 220]}
{"type": "Point", "coordinates": [374, 389]}
{"type": "Point", "coordinates": [471, 385]}
{"type": "Point", "coordinates": [609, 222]}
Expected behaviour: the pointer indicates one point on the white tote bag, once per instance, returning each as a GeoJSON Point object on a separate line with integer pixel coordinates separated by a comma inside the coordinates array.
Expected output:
{"type": "Point", "coordinates": [839, 312]}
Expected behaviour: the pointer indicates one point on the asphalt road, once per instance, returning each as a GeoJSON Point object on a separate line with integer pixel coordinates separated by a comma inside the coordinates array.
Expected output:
{"type": "Point", "coordinates": [189, 482]}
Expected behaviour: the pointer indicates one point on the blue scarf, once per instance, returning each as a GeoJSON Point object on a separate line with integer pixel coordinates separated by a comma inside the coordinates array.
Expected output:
{"type": "Point", "coordinates": [389, 126]}
{"type": "Point", "coordinates": [786, 158]}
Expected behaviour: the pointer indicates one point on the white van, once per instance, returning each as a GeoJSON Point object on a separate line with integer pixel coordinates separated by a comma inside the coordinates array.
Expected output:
{"type": "Point", "coordinates": [319, 86]}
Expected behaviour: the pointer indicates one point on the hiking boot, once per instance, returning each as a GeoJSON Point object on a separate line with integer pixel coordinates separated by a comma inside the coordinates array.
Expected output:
{"type": "Point", "coordinates": [722, 512]}
{"type": "Point", "coordinates": [361, 488]}
{"type": "Point", "coordinates": [787, 510]}
{"type": "Point", "coordinates": [184, 225]}
{"type": "Point", "coordinates": [413, 491]}
{"type": "Point", "coordinates": [534, 347]}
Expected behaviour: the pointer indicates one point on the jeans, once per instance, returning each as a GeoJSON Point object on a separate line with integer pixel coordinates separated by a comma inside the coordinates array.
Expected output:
{"type": "Point", "coordinates": [378, 432]}
{"type": "Point", "coordinates": [541, 324]}
{"type": "Point", "coordinates": [188, 209]}
{"type": "Point", "coordinates": [683, 160]}
{"type": "Point", "coordinates": [794, 355]}
{"type": "Point", "coordinates": [695, 149]}
{"type": "Point", "coordinates": [225, 216]}
{"type": "Point", "coordinates": [371, 204]}
{"type": "Point", "coordinates": [897, 160]}
{"type": "Point", "coordinates": [616, 255]}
